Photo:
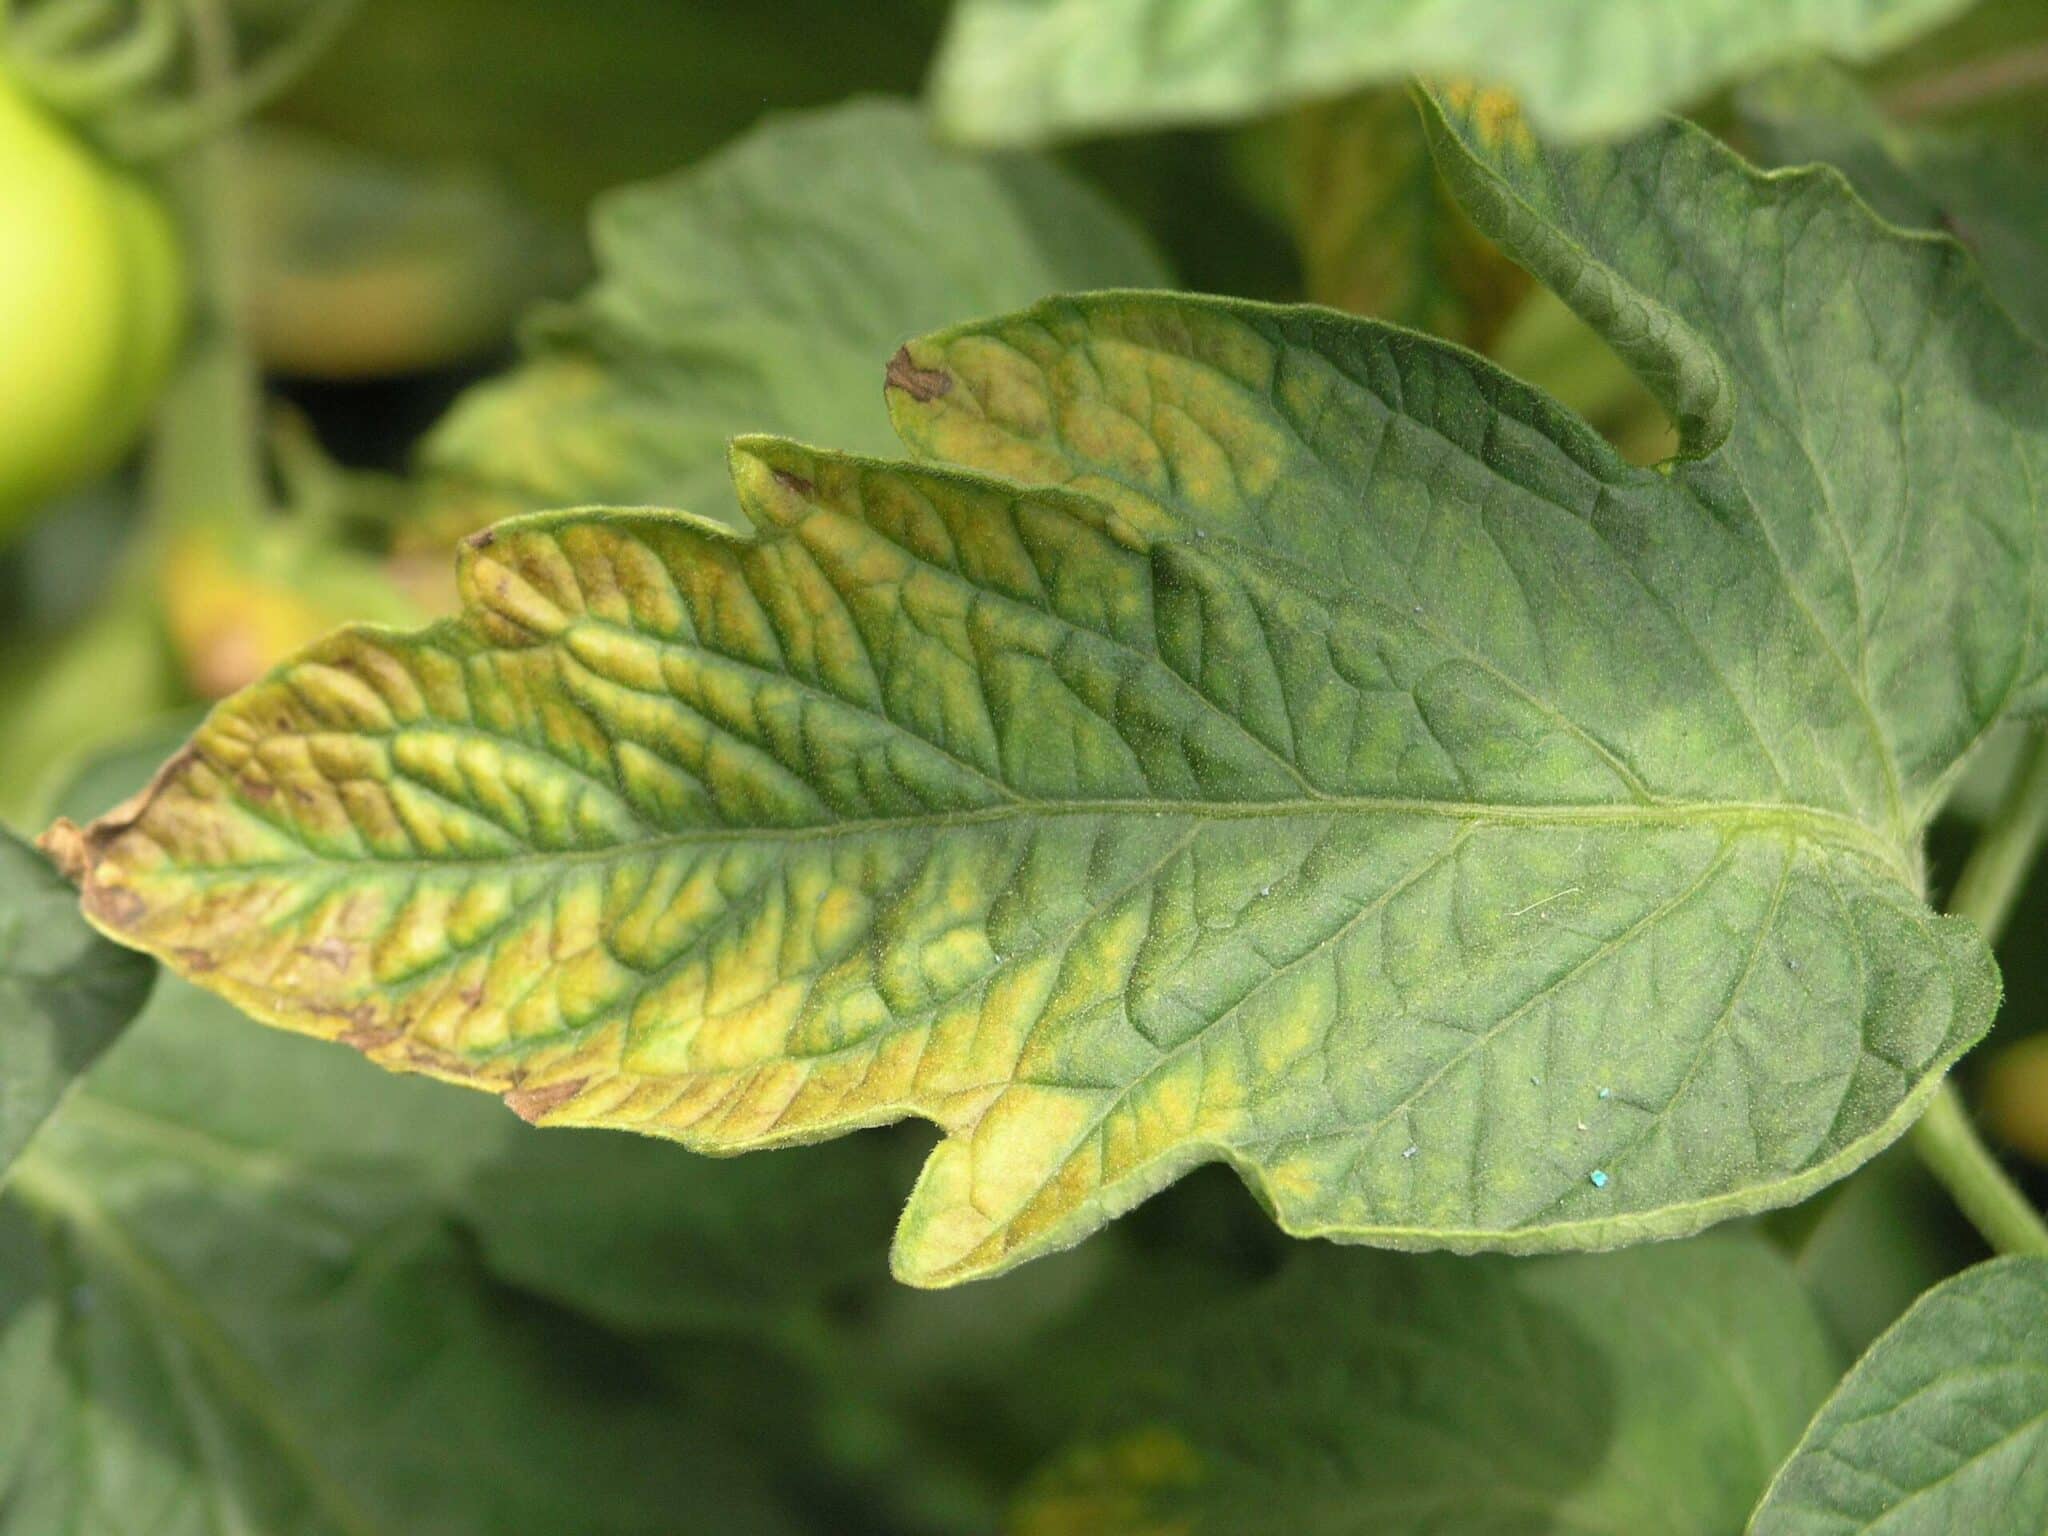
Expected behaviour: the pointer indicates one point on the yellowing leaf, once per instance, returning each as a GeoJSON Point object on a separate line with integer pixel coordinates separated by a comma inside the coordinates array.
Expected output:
{"type": "Point", "coordinates": [1321, 753]}
{"type": "Point", "coordinates": [237, 602]}
{"type": "Point", "coordinates": [1379, 232]}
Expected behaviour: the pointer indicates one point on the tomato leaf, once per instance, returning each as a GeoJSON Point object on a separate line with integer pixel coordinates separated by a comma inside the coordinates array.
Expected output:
{"type": "Point", "coordinates": [754, 293]}
{"type": "Point", "coordinates": [230, 1300]}
{"type": "Point", "coordinates": [1652, 1390]}
{"type": "Point", "coordinates": [1372, 781]}
{"type": "Point", "coordinates": [65, 993]}
{"type": "Point", "coordinates": [1021, 71]}
{"type": "Point", "coordinates": [628, 1232]}
{"type": "Point", "coordinates": [1983, 184]}
{"type": "Point", "coordinates": [1942, 1427]}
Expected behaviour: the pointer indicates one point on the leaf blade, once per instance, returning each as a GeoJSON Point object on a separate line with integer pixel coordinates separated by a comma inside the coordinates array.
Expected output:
{"type": "Point", "coordinates": [1655, 1388]}
{"type": "Point", "coordinates": [236, 1302]}
{"type": "Point", "coordinates": [1939, 1427]}
{"type": "Point", "coordinates": [1021, 71]}
{"type": "Point", "coordinates": [1285, 739]}
{"type": "Point", "coordinates": [935, 954]}
{"type": "Point", "coordinates": [65, 994]}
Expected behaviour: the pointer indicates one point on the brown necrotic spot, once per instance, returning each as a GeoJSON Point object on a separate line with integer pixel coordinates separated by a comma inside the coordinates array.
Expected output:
{"type": "Point", "coordinates": [115, 906]}
{"type": "Point", "coordinates": [367, 1038]}
{"type": "Point", "coordinates": [921, 384]}
{"type": "Point", "coordinates": [535, 1104]}
{"type": "Point", "coordinates": [332, 951]}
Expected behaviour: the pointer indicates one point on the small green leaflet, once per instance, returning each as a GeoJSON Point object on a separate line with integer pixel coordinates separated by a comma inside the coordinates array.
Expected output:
{"type": "Point", "coordinates": [1941, 1428]}
{"type": "Point", "coordinates": [754, 292]}
{"type": "Point", "coordinates": [1287, 741]}
{"type": "Point", "coordinates": [65, 993]}
{"type": "Point", "coordinates": [1024, 71]}
{"type": "Point", "coordinates": [1652, 1390]}
{"type": "Point", "coordinates": [230, 1302]}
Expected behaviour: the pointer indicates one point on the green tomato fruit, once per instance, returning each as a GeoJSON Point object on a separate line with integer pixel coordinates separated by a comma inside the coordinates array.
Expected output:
{"type": "Point", "coordinates": [92, 302]}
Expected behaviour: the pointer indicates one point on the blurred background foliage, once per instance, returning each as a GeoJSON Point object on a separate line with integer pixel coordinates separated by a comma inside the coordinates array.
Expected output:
{"type": "Point", "coordinates": [492, 255]}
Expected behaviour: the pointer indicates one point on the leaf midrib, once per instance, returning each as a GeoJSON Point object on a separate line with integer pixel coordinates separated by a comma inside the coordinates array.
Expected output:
{"type": "Point", "coordinates": [1801, 823]}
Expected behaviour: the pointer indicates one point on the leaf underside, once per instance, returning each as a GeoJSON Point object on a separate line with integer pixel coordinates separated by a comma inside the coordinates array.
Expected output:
{"type": "Point", "coordinates": [1315, 752]}
{"type": "Point", "coordinates": [1942, 1426]}
{"type": "Point", "coordinates": [1023, 71]}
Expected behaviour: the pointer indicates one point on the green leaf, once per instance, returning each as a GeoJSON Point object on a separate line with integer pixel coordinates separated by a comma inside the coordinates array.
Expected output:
{"type": "Point", "coordinates": [65, 993]}
{"type": "Point", "coordinates": [1371, 782]}
{"type": "Point", "coordinates": [1648, 1391]}
{"type": "Point", "coordinates": [1942, 1427]}
{"type": "Point", "coordinates": [229, 1302]}
{"type": "Point", "coordinates": [1022, 71]}
{"type": "Point", "coordinates": [628, 1232]}
{"type": "Point", "coordinates": [1984, 185]}
{"type": "Point", "coordinates": [754, 293]}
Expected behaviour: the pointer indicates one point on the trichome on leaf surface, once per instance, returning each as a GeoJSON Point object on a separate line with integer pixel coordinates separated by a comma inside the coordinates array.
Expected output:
{"type": "Point", "coordinates": [1123, 728]}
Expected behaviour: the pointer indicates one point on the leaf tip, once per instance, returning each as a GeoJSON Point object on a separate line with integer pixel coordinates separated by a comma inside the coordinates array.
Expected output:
{"type": "Point", "coordinates": [77, 852]}
{"type": "Point", "coordinates": [923, 384]}
{"type": "Point", "coordinates": [68, 846]}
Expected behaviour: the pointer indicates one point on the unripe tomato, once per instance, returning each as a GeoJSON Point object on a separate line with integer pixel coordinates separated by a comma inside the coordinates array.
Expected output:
{"type": "Point", "coordinates": [2016, 1096]}
{"type": "Point", "coordinates": [92, 301]}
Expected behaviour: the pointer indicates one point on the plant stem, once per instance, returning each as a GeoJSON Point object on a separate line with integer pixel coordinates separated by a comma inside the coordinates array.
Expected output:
{"type": "Point", "coordinates": [1956, 1155]}
{"type": "Point", "coordinates": [1997, 867]}
{"type": "Point", "coordinates": [1945, 1138]}
{"type": "Point", "coordinates": [168, 130]}
{"type": "Point", "coordinates": [206, 463]}
{"type": "Point", "coordinates": [2000, 74]}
